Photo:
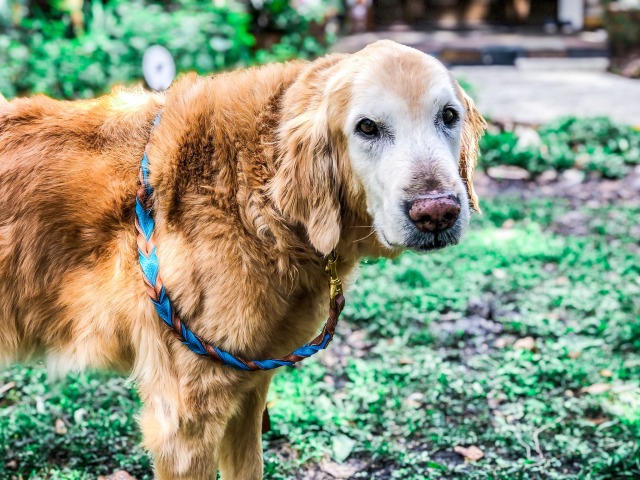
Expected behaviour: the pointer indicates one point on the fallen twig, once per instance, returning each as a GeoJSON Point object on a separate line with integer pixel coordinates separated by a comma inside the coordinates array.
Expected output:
{"type": "Point", "coordinates": [536, 440]}
{"type": "Point", "coordinates": [5, 388]}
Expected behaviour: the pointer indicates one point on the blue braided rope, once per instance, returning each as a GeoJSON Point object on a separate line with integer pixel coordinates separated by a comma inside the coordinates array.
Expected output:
{"type": "Point", "coordinates": [150, 268]}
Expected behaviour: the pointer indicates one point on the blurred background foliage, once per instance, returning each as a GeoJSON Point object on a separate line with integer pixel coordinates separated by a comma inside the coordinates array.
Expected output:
{"type": "Point", "coordinates": [80, 48]}
{"type": "Point", "coordinates": [596, 145]}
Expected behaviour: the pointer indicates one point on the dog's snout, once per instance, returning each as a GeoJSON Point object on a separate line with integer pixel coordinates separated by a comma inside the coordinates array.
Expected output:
{"type": "Point", "coordinates": [434, 213]}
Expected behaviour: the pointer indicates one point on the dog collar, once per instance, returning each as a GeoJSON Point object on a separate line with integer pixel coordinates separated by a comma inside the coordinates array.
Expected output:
{"type": "Point", "coordinates": [148, 259]}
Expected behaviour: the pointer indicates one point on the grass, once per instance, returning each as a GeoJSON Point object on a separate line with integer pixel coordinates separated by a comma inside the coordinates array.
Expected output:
{"type": "Point", "coordinates": [424, 361]}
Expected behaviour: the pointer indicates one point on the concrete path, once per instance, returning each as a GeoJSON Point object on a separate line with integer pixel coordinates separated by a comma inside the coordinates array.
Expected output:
{"type": "Point", "coordinates": [537, 90]}
{"type": "Point", "coordinates": [473, 47]}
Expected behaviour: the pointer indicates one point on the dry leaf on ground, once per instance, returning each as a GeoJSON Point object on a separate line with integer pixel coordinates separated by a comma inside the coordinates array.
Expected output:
{"type": "Point", "coordinates": [343, 470]}
{"type": "Point", "coordinates": [61, 427]}
{"type": "Point", "coordinates": [596, 388]}
{"type": "Point", "coordinates": [526, 343]}
{"type": "Point", "coordinates": [119, 475]}
{"type": "Point", "coordinates": [504, 341]}
{"type": "Point", "coordinates": [414, 400]}
{"type": "Point", "coordinates": [470, 454]}
{"type": "Point", "coordinates": [597, 421]}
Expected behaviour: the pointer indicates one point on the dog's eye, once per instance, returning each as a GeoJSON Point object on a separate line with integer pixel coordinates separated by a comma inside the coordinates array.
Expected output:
{"type": "Point", "coordinates": [449, 115]}
{"type": "Point", "coordinates": [368, 127]}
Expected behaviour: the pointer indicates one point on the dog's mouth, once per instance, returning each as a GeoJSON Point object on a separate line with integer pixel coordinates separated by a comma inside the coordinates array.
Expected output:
{"type": "Point", "coordinates": [430, 242]}
{"type": "Point", "coordinates": [425, 242]}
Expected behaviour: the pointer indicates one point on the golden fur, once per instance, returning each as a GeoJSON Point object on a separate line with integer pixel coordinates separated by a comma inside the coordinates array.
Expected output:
{"type": "Point", "coordinates": [252, 187]}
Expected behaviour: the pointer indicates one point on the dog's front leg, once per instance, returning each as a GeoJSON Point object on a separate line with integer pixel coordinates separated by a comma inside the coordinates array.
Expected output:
{"type": "Point", "coordinates": [184, 442]}
{"type": "Point", "coordinates": [241, 449]}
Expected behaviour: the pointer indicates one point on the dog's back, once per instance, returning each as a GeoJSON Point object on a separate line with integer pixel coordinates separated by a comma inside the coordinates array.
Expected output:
{"type": "Point", "coordinates": [67, 176]}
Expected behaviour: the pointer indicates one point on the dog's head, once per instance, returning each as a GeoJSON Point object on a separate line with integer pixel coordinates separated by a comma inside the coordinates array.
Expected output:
{"type": "Point", "coordinates": [385, 135]}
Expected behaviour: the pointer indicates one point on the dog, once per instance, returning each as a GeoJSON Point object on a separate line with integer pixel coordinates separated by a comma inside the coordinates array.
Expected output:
{"type": "Point", "coordinates": [258, 175]}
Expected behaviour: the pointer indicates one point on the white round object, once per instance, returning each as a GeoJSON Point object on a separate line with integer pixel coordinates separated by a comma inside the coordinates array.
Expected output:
{"type": "Point", "coordinates": [158, 67]}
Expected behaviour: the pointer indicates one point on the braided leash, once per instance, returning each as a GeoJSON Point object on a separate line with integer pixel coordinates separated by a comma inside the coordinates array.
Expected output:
{"type": "Point", "coordinates": [150, 268]}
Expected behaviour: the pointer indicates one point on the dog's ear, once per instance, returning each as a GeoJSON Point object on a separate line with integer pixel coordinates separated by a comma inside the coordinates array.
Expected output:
{"type": "Point", "coordinates": [472, 129]}
{"type": "Point", "coordinates": [306, 186]}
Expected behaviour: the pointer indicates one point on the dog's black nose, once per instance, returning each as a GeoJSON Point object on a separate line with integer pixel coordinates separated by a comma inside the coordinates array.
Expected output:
{"type": "Point", "coordinates": [434, 213]}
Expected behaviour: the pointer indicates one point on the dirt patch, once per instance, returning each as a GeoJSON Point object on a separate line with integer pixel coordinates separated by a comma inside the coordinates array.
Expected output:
{"type": "Point", "coordinates": [574, 185]}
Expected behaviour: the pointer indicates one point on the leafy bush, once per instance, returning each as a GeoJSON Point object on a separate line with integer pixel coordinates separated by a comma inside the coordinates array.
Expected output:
{"type": "Point", "coordinates": [82, 53]}
{"type": "Point", "coordinates": [593, 144]}
{"type": "Point", "coordinates": [291, 28]}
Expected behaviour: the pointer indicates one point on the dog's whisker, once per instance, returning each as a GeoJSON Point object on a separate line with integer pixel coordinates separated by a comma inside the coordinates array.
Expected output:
{"type": "Point", "coordinates": [365, 237]}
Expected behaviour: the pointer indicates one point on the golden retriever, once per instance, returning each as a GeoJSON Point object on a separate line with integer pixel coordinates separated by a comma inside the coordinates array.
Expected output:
{"type": "Point", "coordinates": [258, 175]}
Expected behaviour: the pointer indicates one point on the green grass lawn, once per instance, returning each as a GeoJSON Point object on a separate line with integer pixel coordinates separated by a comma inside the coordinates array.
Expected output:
{"type": "Point", "coordinates": [426, 359]}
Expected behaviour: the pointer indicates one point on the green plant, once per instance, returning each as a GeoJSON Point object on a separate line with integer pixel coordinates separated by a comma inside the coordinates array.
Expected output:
{"type": "Point", "coordinates": [286, 29]}
{"type": "Point", "coordinates": [44, 57]}
{"type": "Point", "coordinates": [593, 144]}
{"type": "Point", "coordinates": [81, 53]}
